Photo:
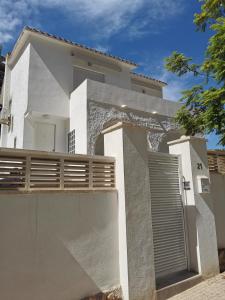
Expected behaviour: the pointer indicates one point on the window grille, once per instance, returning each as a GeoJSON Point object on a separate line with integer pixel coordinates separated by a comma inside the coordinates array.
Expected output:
{"type": "Point", "coordinates": [71, 142]}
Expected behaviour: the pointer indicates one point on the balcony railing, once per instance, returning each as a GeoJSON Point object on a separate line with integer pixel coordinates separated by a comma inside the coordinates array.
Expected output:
{"type": "Point", "coordinates": [28, 170]}
{"type": "Point", "coordinates": [216, 161]}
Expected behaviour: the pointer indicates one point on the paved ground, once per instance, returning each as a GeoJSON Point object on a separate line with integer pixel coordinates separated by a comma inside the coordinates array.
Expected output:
{"type": "Point", "coordinates": [211, 289]}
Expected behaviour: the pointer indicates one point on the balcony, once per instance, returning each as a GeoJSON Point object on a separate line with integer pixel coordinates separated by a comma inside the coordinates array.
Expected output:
{"type": "Point", "coordinates": [111, 94]}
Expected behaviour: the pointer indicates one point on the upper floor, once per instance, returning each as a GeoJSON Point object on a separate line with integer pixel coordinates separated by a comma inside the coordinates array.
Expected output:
{"type": "Point", "coordinates": [50, 80]}
{"type": "Point", "coordinates": [49, 69]}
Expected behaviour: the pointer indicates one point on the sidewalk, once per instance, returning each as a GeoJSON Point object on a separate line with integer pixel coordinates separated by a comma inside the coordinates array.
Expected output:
{"type": "Point", "coordinates": [210, 289]}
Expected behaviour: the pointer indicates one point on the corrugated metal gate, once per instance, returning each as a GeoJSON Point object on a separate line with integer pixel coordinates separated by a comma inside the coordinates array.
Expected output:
{"type": "Point", "coordinates": [167, 214]}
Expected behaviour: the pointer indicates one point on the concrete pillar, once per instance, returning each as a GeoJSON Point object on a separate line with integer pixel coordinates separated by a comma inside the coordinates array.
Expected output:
{"type": "Point", "coordinates": [129, 146]}
{"type": "Point", "coordinates": [199, 213]}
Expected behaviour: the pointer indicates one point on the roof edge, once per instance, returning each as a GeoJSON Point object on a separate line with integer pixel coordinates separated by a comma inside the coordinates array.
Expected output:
{"type": "Point", "coordinates": [143, 76]}
{"type": "Point", "coordinates": [69, 42]}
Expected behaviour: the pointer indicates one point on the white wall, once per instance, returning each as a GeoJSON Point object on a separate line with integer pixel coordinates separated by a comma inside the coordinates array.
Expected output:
{"type": "Point", "coordinates": [113, 145]}
{"type": "Point", "coordinates": [200, 219]}
{"type": "Point", "coordinates": [78, 117]}
{"type": "Point", "coordinates": [19, 96]}
{"type": "Point", "coordinates": [148, 91]}
{"type": "Point", "coordinates": [218, 195]}
{"type": "Point", "coordinates": [42, 82]}
{"type": "Point", "coordinates": [53, 66]}
{"type": "Point", "coordinates": [5, 96]}
{"type": "Point", "coordinates": [113, 95]}
{"type": "Point", "coordinates": [115, 73]}
{"type": "Point", "coordinates": [57, 246]}
{"type": "Point", "coordinates": [59, 62]}
{"type": "Point", "coordinates": [61, 132]}
{"type": "Point", "coordinates": [136, 254]}
{"type": "Point", "coordinates": [47, 93]}
{"type": "Point", "coordinates": [120, 79]}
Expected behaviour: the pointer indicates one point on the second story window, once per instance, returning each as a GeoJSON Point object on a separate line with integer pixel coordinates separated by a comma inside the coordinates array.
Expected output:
{"type": "Point", "coordinates": [80, 74]}
{"type": "Point", "coordinates": [71, 142]}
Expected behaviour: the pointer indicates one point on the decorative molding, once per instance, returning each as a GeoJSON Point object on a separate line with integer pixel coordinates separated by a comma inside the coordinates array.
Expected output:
{"type": "Point", "coordinates": [99, 114]}
{"type": "Point", "coordinates": [154, 139]}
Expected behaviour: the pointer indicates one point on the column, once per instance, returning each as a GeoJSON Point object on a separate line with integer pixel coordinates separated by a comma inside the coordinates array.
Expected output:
{"type": "Point", "coordinates": [199, 213]}
{"type": "Point", "coordinates": [129, 146]}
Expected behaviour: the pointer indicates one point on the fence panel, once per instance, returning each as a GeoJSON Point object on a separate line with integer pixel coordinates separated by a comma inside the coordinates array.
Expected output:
{"type": "Point", "coordinates": [216, 161]}
{"type": "Point", "coordinates": [33, 170]}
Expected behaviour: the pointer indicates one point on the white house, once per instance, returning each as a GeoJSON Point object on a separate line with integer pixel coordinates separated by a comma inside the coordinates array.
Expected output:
{"type": "Point", "coordinates": [61, 95]}
{"type": "Point", "coordinates": [146, 219]}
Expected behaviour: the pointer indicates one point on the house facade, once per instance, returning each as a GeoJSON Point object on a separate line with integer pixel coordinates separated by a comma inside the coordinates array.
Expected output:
{"type": "Point", "coordinates": [123, 224]}
{"type": "Point", "coordinates": [61, 95]}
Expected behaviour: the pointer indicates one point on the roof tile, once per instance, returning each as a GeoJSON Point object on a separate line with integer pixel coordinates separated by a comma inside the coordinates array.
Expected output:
{"type": "Point", "coordinates": [78, 45]}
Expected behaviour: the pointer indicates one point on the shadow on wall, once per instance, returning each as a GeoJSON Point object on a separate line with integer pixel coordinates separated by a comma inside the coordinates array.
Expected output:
{"type": "Point", "coordinates": [218, 195]}
{"type": "Point", "coordinates": [99, 145]}
{"type": "Point", "coordinates": [191, 237]}
{"type": "Point", "coordinates": [58, 245]}
{"type": "Point", "coordinates": [168, 137]}
{"type": "Point", "coordinates": [201, 216]}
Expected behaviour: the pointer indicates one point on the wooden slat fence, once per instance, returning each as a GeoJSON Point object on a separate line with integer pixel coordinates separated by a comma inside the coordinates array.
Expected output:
{"type": "Point", "coordinates": [33, 170]}
{"type": "Point", "coordinates": [216, 161]}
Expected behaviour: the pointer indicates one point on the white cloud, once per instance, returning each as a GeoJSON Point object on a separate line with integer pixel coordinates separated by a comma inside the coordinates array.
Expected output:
{"type": "Point", "coordinates": [105, 17]}
{"type": "Point", "coordinates": [105, 49]}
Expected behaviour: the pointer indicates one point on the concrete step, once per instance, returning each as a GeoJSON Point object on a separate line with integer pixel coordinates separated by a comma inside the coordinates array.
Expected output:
{"type": "Point", "coordinates": [178, 287]}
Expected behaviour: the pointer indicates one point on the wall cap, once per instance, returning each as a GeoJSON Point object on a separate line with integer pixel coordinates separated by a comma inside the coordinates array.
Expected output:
{"type": "Point", "coordinates": [123, 124]}
{"type": "Point", "coordinates": [185, 138]}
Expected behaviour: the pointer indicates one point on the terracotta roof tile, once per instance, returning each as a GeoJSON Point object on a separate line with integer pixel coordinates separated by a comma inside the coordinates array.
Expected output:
{"type": "Point", "coordinates": [148, 77]}
{"type": "Point", "coordinates": [31, 29]}
{"type": "Point", "coordinates": [78, 45]}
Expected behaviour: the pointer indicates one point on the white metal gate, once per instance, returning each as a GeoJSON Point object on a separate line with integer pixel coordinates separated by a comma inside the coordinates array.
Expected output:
{"type": "Point", "coordinates": [167, 214]}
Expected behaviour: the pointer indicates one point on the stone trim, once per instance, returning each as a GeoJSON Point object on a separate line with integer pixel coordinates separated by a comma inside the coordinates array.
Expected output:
{"type": "Point", "coordinates": [100, 114]}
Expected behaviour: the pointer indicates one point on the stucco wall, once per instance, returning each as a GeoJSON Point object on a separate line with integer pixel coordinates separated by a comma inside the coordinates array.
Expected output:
{"type": "Point", "coordinates": [59, 61]}
{"type": "Point", "coordinates": [137, 276]}
{"type": "Point", "coordinates": [113, 95]}
{"type": "Point", "coordinates": [218, 195]}
{"type": "Point", "coordinates": [148, 91]}
{"type": "Point", "coordinates": [48, 91]}
{"type": "Point", "coordinates": [5, 99]}
{"type": "Point", "coordinates": [19, 96]}
{"type": "Point", "coordinates": [78, 117]}
{"type": "Point", "coordinates": [198, 207]}
{"type": "Point", "coordinates": [57, 246]}
{"type": "Point", "coordinates": [61, 132]}
{"type": "Point", "coordinates": [53, 65]}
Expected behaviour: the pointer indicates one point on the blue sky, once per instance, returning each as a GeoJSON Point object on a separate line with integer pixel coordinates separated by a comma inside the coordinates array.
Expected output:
{"type": "Point", "coordinates": [145, 31]}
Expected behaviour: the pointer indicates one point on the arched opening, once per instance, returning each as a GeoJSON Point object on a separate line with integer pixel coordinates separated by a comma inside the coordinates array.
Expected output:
{"type": "Point", "coordinates": [169, 136]}
{"type": "Point", "coordinates": [99, 145]}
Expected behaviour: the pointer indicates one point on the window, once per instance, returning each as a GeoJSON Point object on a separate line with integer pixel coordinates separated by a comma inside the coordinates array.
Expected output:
{"type": "Point", "coordinates": [80, 74]}
{"type": "Point", "coordinates": [71, 142]}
